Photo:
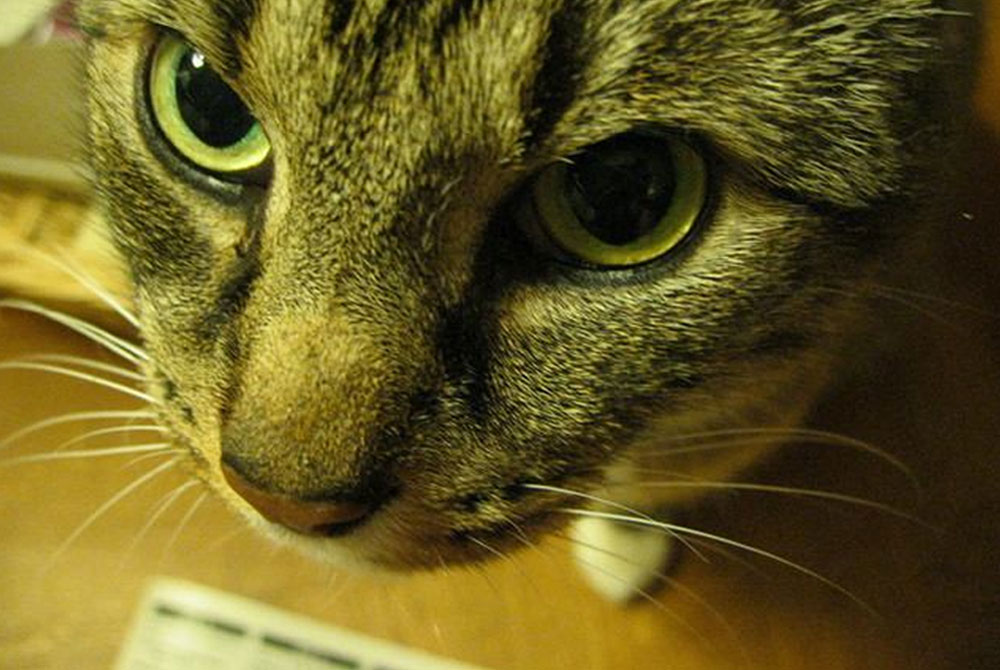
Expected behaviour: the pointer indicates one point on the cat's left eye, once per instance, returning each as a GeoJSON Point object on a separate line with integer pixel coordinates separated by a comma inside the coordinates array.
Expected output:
{"type": "Point", "coordinates": [622, 202]}
{"type": "Point", "coordinates": [200, 115]}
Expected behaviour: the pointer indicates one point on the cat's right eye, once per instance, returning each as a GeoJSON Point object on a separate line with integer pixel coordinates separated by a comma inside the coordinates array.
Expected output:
{"type": "Point", "coordinates": [622, 202]}
{"type": "Point", "coordinates": [200, 116]}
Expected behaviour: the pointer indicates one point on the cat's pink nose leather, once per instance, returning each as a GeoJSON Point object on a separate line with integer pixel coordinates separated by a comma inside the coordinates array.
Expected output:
{"type": "Point", "coordinates": [319, 517]}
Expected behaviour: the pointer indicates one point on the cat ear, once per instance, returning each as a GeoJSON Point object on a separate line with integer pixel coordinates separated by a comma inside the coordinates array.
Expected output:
{"type": "Point", "coordinates": [58, 252]}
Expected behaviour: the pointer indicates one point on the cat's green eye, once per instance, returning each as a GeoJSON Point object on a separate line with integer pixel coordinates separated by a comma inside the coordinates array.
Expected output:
{"type": "Point", "coordinates": [201, 117]}
{"type": "Point", "coordinates": [621, 202]}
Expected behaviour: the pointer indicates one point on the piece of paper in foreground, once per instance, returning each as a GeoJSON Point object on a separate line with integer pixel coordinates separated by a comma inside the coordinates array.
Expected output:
{"type": "Point", "coordinates": [185, 626]}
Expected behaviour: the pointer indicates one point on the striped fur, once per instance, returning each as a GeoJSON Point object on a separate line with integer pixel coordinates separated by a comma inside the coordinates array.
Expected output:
{"type": "Point", "coordinates": [372, 324]}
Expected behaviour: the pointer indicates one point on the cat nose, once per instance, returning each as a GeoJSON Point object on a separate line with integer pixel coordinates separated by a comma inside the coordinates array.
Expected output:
{"type": "Point", "coordinates": [310, 517]}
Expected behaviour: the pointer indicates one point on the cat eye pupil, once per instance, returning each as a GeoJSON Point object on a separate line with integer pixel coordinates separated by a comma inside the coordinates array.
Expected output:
{"type": "Point", "coordinates": [209, 107]}
{"type": "Point", "coordinates": [620, 189]}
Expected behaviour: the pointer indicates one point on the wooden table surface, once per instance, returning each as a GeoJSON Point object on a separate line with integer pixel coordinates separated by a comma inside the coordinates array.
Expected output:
{"type": "Point", "coordinates": [932, 399]}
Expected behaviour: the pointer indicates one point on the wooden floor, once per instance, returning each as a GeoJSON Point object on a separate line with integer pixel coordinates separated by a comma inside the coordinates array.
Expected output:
{"type": "Point", "coordinates": [933, 400]}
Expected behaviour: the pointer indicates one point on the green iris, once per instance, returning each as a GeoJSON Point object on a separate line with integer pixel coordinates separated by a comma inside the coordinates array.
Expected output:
{"type": "Point", "coordinates": [620, 202]}
{"type": "Point", "coordinates": [200, 115]}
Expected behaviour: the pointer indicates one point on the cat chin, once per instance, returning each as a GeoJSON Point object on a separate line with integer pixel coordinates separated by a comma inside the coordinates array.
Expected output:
{"type": "Point", "coordinates": [619, 563]}
{"type": "Point", "coordinates": [384, 547]}
{"type": "Point", "coordinates": [346, 553]}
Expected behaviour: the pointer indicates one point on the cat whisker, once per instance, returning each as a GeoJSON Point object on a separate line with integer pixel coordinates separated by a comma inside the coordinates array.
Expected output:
{"type": "Point", "coordinates": [642, 593]}
{"type": "Point", "coordinates": [885, 288]}
{"type": "Point", "coordinates": [139, 459]}
{"type": "Point", "coordinates": [523, 538]}
{"type": "Point", "coordinates": [535, 547]}
{"type": "Point", "coordinates": [613, 505]}
{"type": "Point", "coordinates": [160, 507]}
{"type": "Point", "coordinates": [487, 547]}
{"type": "Point", "coordinates": [481, 570]}
{"type": "Point", "coordinates": [228, 537]}
{"type": "Point", "coordinates": [102, 509]}
{"type": "Point", "coordinates": [770, 488]}
{"type": "Point", "coordinates": [85, 279]}
{"type": "Point", "coordinates": [685, 530]}
{"type": "Point", "coordinates": [83, 362]}
{"type": "Point", "coordinates": [64, 262]}
{"type": "Point", "coordinates": [518, 533]}
{"type": "Point", "coordinates": [871, 291]}
{"type": "Point", "coordinates": [673, 474]}
{"type": "Point", "coordinates": [188, 515]}
{"type": "Point", "coordinates": [808, 435]}
{"type": "Point", "coordinates": [505, 557]}
{"type": "Point", "coordinates": [521, 535]}
{"type": "Point", "coordinates": [673, 584]}
{"type": "Point", "coordinates": [157, 448]}
{"type": "Point", "coordinates": [70, 418]}
{"type": "Point", "coordinates": [730, 556]}
{"type": "Point", "coordinates": [112, 430]}
{"type": "Point", "coordinates": [109, 341]}
{"type": "Point", "coordinates": [77, 374]}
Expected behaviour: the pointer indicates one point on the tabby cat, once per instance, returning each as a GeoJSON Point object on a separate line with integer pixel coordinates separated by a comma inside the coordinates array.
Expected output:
{"type": "Point", "coordinates": [415, 277]}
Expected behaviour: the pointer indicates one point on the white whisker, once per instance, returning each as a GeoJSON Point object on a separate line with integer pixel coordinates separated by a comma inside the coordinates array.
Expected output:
{"type": "Point", "coordinates": [731, 556]}
{"type": "Point", "coordinates": [674, 584]}
{"type": "Point", "coordinates": [139, 459]}
{"type": "Point", "coordinates": [768, 488]}
{"type": "Point", "coordinates": [161, 447]}
{"type": "Point", "coordinates": [100, 511]}
{"type": "Point", "coordinates": [487, 547]}
{"type": "Point", "coordinates": [521, 535]}
{"type": "Point", "coordinates": [70, 418]}
{"type": "Point", "coordinates": [225, 538]}
{"type": "Point", "coordinates": [675, 528]}
{"type": "Point", "coordinates": [810, 436]}
{"type": "Point", "coordinates": [112, 430]}
{"type": "Point", "coordinates": [182, 524]}
{"type": "Point", "coordinates": [897, 299]}
{"type": "Point", "coordinates": [675, 475]}
{"type": "Point", "coordinates": [612, 504]}
{"type": "Point", "coordinates": [76, 374]}
{"type": "Point", "coordinates": [932, 298]}
{"type": "Point", "coordinates": [84, 362]}
{"type": "Point", "coordinates": [86, 280]}
{"type": "Point", "coordinates": [109, 341]}
{"type": "Point", "coordinates": [645, 595]}
{"type": "Point", "coordinates": [509, 558]}
{"type": "Point", "coordinates": [161, 506]}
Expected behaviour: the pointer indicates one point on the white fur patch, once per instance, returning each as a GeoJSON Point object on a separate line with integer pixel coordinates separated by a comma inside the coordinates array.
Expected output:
{"type": "Point", "coordinates": [617, 560]}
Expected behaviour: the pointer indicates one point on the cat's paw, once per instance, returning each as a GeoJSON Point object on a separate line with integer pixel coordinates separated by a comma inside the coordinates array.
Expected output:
{"type": "Point", "coordinates": [620, 561]}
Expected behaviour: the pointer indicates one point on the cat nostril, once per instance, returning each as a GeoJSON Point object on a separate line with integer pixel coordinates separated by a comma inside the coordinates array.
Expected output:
{"type": "Point", "coordinates": [311, 517]}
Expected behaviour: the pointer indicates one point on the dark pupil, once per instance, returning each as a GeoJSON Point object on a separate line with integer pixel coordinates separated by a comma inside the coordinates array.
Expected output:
{"type": "Point", "coordinates": [620, 189]}
{"type": "Point", "coordinates": [213, 112]}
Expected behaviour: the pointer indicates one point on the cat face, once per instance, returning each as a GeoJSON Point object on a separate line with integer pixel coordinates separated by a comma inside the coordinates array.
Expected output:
{"type": "Point", "coordinates": [418, 256]}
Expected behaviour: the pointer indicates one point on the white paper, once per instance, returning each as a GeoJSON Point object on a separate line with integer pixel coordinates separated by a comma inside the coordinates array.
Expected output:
{"type": "Point", "coordinates": [185, 626]}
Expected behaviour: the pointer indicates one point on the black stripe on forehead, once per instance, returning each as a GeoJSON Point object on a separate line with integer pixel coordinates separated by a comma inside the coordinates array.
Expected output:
{"type": "Point", "coordinates": [450, 16]}
{"type": "Point", "coordinates": [557, 81]}
{"type": "Point", "coordinates": [338, 15]}
{"type": "Point", "coordinates": [397, 19]}
{"type": "Point", "coordinates": [235, 17]}
{"type": "Point", "coordinates": [380, 33]}
{"type": "Point", "coordinates": [233, 20]}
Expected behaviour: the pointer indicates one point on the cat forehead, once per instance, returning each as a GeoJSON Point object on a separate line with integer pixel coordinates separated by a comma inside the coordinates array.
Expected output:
{"type": "Point", "coordinates": [806, 94]}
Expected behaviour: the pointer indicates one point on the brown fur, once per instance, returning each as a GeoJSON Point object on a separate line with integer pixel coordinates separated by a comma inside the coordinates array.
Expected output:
{"type": "Point", "coordinates": [372, 324]}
